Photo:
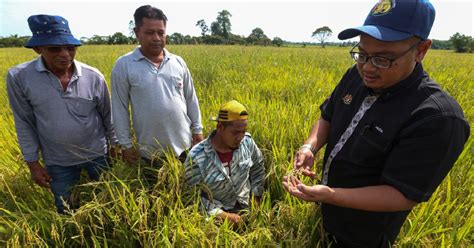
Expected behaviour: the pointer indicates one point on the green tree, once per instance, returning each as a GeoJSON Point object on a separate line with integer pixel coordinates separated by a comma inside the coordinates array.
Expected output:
{"type": "Point", "coordinates": [131, 32]}
{"type": "Point", "coordinates": [223, 19]}
{"type": "Point", "coordinates": [258, 37]}
{"type": "Point", "coordinates": [176, 39]}
{"type": "Point", "coordinates": [190, 40]}
{"type": "Point", "coordinates": [441, 44]}
{"type": "Point", "coordinates": [277, 41]}
{"type": "Point", "coordinates": [322, 34]}
{"type": "Point", "coordinates": [203, 26]}
{"type": "Point", "coordinates": [97, 40]}
{"type": "Point", "coordinates": [118, 38]}
{"type": "Point", "coordinates": [213, 39]}
{"type": "Point", "coordinates": [236, 40]}
{"type": "Point", "coordinates": [461, 43]}
{"type": "Point", "coordinates": [216, 29]}
{"type": "Point", "coordinates": [13, 41]}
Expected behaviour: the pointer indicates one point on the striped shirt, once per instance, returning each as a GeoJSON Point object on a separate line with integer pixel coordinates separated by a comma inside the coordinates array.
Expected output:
{"type": "Point", "coordinates": [223, 191]}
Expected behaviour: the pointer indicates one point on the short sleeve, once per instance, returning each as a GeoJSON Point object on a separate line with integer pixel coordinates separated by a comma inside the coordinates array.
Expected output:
{"type": "Point", "coordinates": [423, 156]}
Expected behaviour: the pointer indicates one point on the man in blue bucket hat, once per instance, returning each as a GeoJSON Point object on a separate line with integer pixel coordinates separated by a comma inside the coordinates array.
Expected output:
{"type": "Point", "coordinates": [391, 133]}
{"type": "Point", "coordinates": [61, 109]}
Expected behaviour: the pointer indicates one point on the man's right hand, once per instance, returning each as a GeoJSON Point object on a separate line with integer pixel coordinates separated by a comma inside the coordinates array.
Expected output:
{"type": "Point", "coordinates": [234, 218]}
{"type": "Point", "coordinates": [130, 155]}
{"type": "Point", "coordinates": [304, 160]}
{"type": "Point", "coordinates": [39, 174]}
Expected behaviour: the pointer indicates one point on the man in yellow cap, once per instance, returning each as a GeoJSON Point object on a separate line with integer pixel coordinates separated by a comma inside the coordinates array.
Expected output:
{"type": "Point", "coordinates": [228, 163]}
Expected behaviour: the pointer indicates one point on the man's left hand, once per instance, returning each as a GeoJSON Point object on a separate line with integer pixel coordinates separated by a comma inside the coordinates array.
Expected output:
{"type": "Point", "coordinates": [197, 138]}
{"type": "Point", "coordinates": [316, 193]}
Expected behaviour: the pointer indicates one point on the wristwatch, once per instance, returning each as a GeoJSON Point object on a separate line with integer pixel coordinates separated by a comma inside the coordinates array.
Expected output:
{"type": "Point", "coordinates": [310, 147]}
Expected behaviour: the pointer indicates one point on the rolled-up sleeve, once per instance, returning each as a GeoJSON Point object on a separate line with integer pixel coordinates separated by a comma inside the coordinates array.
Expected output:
{"type": "Point", "coordinates": [24, 119]}
{"type": "Point", "coordinates": [120, 104]}
{"type": "Point", "coordinates": [212, 208]}
{"type": "Point", "coordinates": [257, 171]}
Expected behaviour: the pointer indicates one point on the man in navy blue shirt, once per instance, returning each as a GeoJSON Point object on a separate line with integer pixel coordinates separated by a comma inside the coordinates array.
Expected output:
{"type": "Point", "coordinates": [391, 133]}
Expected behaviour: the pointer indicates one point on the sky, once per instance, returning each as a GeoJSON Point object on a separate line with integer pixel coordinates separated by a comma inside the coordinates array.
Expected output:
{"type": "Point", "coordinates": [290, 20]}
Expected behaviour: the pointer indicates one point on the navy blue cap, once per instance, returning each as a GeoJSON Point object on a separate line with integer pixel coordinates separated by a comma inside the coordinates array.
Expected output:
{"type": "Point", "coordinates": [391, 20]}
{"type": "Point", "coordinates": [50, 30]}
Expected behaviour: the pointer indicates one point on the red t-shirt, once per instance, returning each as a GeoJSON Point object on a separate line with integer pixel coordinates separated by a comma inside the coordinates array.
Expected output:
{"type": "Point", "coordinates": [225, 158]}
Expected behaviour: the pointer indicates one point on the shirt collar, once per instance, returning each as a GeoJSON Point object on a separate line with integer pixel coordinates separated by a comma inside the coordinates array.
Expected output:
{"type": "Point", "coordinates": [40, 67]}
{"type": "Point", "coordinates": [138, 55]}
{"type": "Point", "coordinates": [208, 143]}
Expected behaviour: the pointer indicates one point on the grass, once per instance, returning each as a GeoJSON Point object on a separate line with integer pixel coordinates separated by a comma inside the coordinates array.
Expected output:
{"type": "Point", "coordinates": [282, 88]}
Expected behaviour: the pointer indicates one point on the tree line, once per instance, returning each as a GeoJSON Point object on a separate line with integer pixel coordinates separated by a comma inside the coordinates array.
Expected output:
{"type": "Point", "coordinates": [219, 32]}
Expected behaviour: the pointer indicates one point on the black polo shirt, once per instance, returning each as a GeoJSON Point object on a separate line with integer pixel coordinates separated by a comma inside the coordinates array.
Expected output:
{"type": "Point", "coordinates": [409, 139]}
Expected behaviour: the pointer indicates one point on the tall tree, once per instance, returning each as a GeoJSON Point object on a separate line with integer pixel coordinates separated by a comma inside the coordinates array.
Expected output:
{"type": "Point", "coordinates": [131, 32]}
{"type": "Point", "coordinates": [223, 19]}
{"type": "Point", "coordinates": [216, 29]}
{"type": "Point", "coordinates": [322, 34]}
{"type": "Point", "coordinates": [203, 26]}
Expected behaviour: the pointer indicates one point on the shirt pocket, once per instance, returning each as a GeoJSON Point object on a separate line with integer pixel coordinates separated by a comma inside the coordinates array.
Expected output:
{"type": "Point", "coordinates": [81, 107]}
{"type": "Point", "coordinates": [215, 181]}
{"type": "Point", "coordinates": [245, 164]}
{"type": "Point", "coordinates": [369, 147]}
{"type": "Point", "coordinates": [178, 86]}
{"type": "Point", "coordinates": [241, 172]}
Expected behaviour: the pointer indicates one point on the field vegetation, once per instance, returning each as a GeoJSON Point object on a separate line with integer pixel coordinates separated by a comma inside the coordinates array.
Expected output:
{"type": "Point", "coordinates": [282, 88]}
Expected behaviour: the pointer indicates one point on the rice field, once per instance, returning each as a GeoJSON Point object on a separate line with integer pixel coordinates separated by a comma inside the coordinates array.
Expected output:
{"type": "Point", "coordinates": [282, 88]}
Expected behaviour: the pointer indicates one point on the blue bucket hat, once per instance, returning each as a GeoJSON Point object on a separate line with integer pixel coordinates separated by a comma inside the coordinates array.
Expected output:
{"type": "Point", "coordinates": [391, 20]}
{"type": "Point", "coordinates": [50, 30]}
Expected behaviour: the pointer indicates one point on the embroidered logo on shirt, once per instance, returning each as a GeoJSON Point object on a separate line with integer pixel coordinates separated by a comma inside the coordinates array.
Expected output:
{"type": "Point", "coordinates": [347, 99]}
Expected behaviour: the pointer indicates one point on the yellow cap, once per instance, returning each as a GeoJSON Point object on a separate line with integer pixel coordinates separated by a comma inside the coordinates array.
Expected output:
{"type": "Point", "coordinates": [232, 111]}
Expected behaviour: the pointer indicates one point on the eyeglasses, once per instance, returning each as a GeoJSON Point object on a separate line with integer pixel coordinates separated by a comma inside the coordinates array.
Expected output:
{"type": "Point", "coordinates": [58, 49]}
{"type": "Point", "coordinates": [378, 61]}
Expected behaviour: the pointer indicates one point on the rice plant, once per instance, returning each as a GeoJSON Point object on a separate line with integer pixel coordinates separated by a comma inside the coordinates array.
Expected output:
{"type": "Point", "coordinates": [282, 88]}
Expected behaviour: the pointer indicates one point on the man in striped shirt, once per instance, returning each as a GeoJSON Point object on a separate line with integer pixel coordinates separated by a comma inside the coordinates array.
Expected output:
{"type": "Point", "coordinates": [229, 164]}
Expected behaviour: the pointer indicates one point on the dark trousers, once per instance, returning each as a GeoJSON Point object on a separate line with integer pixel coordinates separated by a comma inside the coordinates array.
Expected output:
{"type": "Point", "coordinates": [338, 243]}
{"type": "Point", "coordinates": [64, 178]}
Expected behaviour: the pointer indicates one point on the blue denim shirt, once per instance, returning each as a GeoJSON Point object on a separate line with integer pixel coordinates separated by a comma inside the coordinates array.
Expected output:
{"type": "Point", "coordinates": [223, 191]}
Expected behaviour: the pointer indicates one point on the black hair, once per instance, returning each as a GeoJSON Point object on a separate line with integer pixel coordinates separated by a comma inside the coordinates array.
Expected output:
{"type": "Point", "coordinates": [147, 11]}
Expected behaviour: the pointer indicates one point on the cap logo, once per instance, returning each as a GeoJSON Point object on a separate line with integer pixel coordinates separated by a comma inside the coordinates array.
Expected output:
{"type": "Point", "coordinates": [383, 7]}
